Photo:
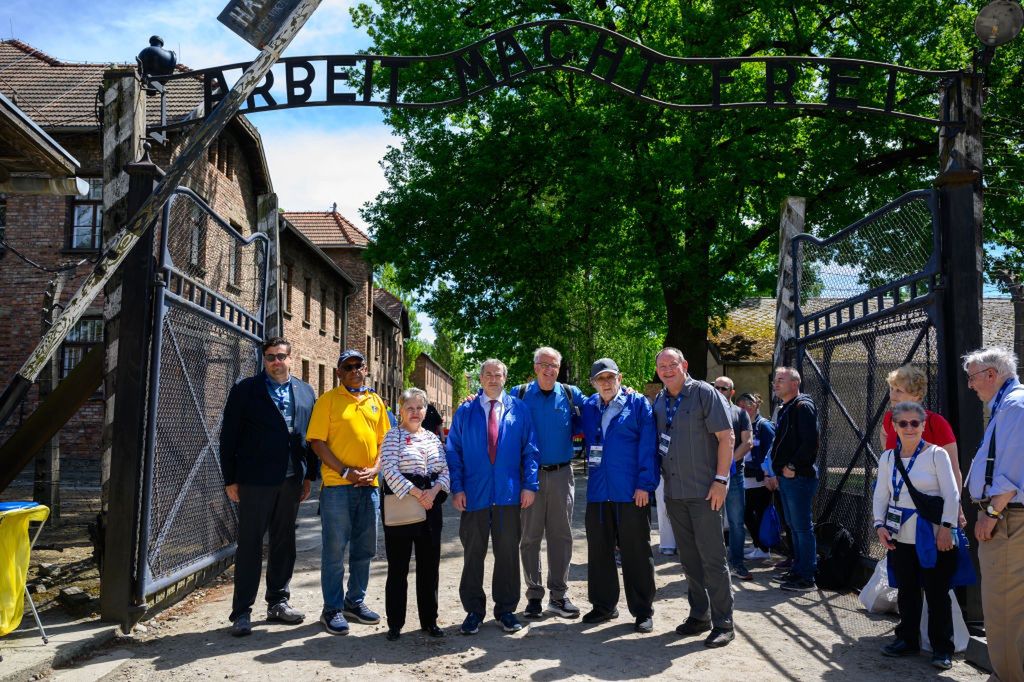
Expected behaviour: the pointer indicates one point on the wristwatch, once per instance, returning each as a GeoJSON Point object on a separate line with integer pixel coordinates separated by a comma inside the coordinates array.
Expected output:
{"type": "Point", "coordinates": [722, 479]}
{"type": "Point", "coordinates": [991, 512]}
{"type": "Point", "coordinates": [947, 524]}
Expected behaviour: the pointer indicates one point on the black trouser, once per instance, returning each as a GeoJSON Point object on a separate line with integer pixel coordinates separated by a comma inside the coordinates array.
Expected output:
{"type": "Point", "coordinates": [757, 501]}
{"type": "Point", "coordinates": [935, 583]}
{"type": "Point", "coordinates": [262, 508]}
{"type": "Point", "coordinates": [399, 542]}
{"type": "Point", "coordinates": [502, 525]}
{"type": "Point", "coordinates": [622, 524]}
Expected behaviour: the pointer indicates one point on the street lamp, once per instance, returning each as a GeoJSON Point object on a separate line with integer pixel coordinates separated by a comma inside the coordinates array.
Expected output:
{"type": "Point", "coordinates": [998, 22]}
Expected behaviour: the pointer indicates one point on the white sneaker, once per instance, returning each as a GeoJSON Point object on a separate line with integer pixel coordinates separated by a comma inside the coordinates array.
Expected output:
{"type": "Point", "coordinates": [755, 554]}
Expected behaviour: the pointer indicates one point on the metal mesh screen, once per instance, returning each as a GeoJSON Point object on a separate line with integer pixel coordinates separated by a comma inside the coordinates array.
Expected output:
{"type": "Point", "coordinates": [208, 336]}
{"type": "Point", "coordinates": [845, 374]}
{"type": "Point", "coordinates": [893, 243]}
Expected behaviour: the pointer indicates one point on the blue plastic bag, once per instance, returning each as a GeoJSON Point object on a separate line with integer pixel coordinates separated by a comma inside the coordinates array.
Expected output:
{"type": "Point", "coordinates": [770, 532]}
{"type": "Point", "coordinates": [965, 573]}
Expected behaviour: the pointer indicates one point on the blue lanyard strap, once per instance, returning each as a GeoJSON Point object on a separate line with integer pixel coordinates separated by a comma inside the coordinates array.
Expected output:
{"type": "Point", "coordinates": [670, 409]}
{"type": "Point", "coordinates": [897, 486]}
{"type": "Point", "coordinates": [999, 398]}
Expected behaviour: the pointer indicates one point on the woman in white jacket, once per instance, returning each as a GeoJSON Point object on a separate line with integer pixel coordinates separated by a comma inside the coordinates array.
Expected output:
{"type": "Point", "coordinates": [922, 554]}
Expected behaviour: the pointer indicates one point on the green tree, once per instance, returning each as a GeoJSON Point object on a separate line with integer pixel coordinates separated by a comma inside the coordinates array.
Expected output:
{"type": "Point", "coordinates": [386, 278]}
{"type": "Point", "coordinates": [452, 356]}
{"type": "Point", "coordinates": [558, 212]}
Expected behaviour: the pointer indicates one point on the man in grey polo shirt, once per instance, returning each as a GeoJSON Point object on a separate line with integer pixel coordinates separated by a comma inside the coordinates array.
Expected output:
{"type": "Point", "coordinates": [695, 443]}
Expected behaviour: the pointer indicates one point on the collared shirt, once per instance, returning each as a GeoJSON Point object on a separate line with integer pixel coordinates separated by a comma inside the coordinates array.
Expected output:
{"type": "Point", "coordinates": [553, 422]}
{"type": "Point", "coordinates": [692, 460]}
{"type": "Point", "coordinates": [611, 410]}
{"type": "Point", "coordinates": [499, 408]}
{"type": "Point", "coordinates": [353, 425]}
{"type": "Point", "coordinates": [1008, 426]}
{"type": "Point", "coordinates": [281, 394]}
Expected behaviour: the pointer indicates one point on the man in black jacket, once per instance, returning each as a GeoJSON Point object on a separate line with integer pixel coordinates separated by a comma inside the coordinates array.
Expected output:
{"type": "Point", "coordinates": [267, 468]}
{"type": "Point", "coordinates": [794, 456]}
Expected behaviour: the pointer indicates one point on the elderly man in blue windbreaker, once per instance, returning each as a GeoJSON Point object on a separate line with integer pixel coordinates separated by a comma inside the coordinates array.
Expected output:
{"type": "Point", "coordinates": [493, 462]}
{"type": "Point", "coordinates": [621, 442]}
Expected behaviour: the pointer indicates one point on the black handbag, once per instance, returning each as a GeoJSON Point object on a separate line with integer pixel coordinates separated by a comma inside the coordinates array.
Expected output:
{"type": "Point", "coordinates": [929, 507]}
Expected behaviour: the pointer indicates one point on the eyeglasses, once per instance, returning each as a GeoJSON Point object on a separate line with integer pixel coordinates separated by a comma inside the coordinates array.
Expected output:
{"type": "Point", "coordinates": [351, 368]}
{"type": "Point", "coordinates": [280, 357]}
{"type": "Point", "coordinates": [912, 423]}
{"type": "Point", "coordinates": [970, 377]}
{"type": "Point", "coordinates": [724, 389]}
{"type": "Point", "coordinates": [545, 365]}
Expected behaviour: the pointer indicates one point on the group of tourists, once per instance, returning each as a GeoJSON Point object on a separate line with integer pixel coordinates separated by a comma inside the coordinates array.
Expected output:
{"type": "Point", "coordinates": [507, 467]}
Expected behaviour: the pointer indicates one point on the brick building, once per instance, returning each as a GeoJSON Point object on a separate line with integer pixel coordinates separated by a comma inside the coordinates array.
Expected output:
{"type": "Point", "coordinates": [53, 231]}
{"type": "Point", "coordinates": [375, 322]}
{"type": "Point", "coordinates": [387, 359]}
{"type": "Point", "coordinates": [313, 294]}
{"type": "Point", "coordinates": [327, 297]}
{"type": "Point", "coordinates": [436, 383]}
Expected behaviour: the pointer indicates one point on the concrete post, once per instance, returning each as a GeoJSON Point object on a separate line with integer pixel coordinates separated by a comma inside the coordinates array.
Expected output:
{"type": "Point", "coordinates": [791, 224]}
{"type": "Point", "coordinates": [267, 223]}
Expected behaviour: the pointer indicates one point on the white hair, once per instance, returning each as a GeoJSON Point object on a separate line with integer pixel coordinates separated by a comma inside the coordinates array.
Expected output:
{"type": "Point", "coordinates": [547, 350]}
{"type": "Point", "coordinates": [1003, 361]}
{"type": "Point", "coordinates": [909, 406]}
{"type": "Point", "coordinates": [497, 363]}
{"type": "Point", "coordinates": [791, 372]}
{"type": "Point", "coordinates": [413, 394]}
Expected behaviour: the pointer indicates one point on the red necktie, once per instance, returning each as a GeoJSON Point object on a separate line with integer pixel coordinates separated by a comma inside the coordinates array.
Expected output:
{"type": "Point", "coordinates": [492, 432]}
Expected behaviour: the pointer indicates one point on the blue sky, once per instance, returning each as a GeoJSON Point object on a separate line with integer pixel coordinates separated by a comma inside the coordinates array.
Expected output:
{"type": "Point", "coordinates": [317, 156]}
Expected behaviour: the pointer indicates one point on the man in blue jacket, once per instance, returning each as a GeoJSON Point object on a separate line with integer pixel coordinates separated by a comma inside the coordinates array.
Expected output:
{"type": "Point", "coordinates": [492, 460]}
{"type": "Point", "coordinates": [621, 438]}
{"type": "Point", "coordinates": [267, 469]}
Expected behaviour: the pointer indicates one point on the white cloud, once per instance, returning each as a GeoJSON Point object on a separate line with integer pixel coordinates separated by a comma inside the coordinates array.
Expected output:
{"type": "Point", "coordinates": [313, 168]}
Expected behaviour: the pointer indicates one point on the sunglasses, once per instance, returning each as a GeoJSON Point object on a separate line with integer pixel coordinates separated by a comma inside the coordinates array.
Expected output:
{"type": "Point", "coordinates": [723, 389]}
{"type": "Point", "coordinates": [912, 423]}
{"type": "Point", "coordinates": [351, 368]}
{"type": "Point", "coordinates": [280, 357]}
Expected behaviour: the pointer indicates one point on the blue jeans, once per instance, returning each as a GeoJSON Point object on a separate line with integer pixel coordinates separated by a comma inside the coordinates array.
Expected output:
{"type": "Point", "coordinates": [348, 518]}
{"type": "Point", "coordinates": [734, 508]}
{"type": "Point", "coordinates": [797, 497]}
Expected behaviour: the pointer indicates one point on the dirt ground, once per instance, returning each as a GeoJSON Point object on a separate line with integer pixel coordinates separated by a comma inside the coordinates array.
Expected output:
{"type": "Point", "coordinates": [780, 636]}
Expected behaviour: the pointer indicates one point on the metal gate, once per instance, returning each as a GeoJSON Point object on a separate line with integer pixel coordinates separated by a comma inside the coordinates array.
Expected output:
{"type": "Point", "coordinates": [867, 301]}
{"type": "Point", "coordinates": [208, 326]}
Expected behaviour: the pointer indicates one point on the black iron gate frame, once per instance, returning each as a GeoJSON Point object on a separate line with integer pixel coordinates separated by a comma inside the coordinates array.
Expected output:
{"type": "Point", "coordinates": [230, 317]}
{"type": "Point", "coordinates": [857, 318]}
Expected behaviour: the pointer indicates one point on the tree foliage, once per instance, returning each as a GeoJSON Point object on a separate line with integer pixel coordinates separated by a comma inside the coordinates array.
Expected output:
{"type": "Point", "coordinates": [556, 212]}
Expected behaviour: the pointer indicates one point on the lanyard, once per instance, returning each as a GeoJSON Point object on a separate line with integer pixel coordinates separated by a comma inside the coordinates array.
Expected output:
{"type": "Point", "coordinates": [999, 398]}
{"type": "Point", "coordinates": [670, 410]}
{"type": "Point", "coordinates": [897, 486]}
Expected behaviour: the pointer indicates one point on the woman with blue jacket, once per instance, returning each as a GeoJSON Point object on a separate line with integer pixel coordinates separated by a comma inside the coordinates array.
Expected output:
{"type": "Point", "coordinates": [621, 438]}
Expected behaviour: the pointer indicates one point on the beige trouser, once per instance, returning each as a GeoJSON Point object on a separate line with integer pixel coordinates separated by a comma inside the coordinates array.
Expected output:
{"type": "Point", "coordinates": [1002, 596]}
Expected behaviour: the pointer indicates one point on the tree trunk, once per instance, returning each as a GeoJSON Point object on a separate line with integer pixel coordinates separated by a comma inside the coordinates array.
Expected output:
{"type": "Point", "coordinates": [687, 301]}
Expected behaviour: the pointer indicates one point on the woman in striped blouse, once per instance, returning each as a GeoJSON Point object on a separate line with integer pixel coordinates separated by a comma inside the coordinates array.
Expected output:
{"type": "Point", "coordinates": [413, 463]}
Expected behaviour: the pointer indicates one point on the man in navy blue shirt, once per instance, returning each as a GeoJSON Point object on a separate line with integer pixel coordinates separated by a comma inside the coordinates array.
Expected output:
{"type": "Point", "coordinates": [555, 408]}
{"type": "Point", "coordinates": [267, 468]}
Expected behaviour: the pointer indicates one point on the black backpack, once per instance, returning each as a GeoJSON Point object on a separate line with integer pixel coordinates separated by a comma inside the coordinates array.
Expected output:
{"type": "Point", "coordinates": [838, 557]}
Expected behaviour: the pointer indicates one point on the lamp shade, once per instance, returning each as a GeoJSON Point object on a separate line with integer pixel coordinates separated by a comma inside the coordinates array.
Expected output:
{"type": "Point", "coordinates": [999, 22]}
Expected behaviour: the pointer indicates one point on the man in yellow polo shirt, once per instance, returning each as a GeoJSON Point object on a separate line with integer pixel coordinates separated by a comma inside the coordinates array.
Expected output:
{"type": "Point", "coordinates": [345, 431]}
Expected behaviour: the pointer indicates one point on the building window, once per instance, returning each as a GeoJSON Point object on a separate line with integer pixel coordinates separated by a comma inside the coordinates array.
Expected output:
{"type": "Point", "coordinates": [305, 371]}
{"type": "Point", "coordinates": [286, 282]}
{"type": "Point", "coordinates": [369, 294]}
{"type": "Point", "coordinates": [323, 309]}
{"type": "Point", "coordinates": [85, 231]}
{"type": "Point", "coordinates": [222, 155]}
{"type": "Point", "coordinates": [88, 332]}
{"type": "Point", "coordinates": [307, 301]}
{"type": "Point", "coordinates": [337, 315]}
{"type": "Point", "coordinates": [323, 383]}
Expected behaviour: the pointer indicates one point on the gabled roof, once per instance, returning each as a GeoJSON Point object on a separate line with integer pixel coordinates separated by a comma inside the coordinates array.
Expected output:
{"type": "Point", "coordinates": [749, 331]}
{"type": "Point", "coordinates": [393, 308]}
{"type": "Point", "coordinates": [59, 94]}
{"type": "Point", "coordinates": [26, 148]}
{"type": "Point", "coordinates": [327, 228]}
{"type": "Point", "coordinates": [325, 260]}
{"type": "Point", "coordinates": [434, 362]}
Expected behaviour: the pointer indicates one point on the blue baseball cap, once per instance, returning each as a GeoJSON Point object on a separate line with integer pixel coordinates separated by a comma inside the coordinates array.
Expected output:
{"type": "Point", "coordinates": [601, 366]}
{"type": "Point", "coordinates": [350, 353]}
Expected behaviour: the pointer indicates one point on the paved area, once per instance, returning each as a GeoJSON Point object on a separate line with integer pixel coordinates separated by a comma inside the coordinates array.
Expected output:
{"type": "Point", "coordinates": [780, 636]}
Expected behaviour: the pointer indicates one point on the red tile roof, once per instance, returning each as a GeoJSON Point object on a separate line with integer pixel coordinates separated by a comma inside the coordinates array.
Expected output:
{"type": "Point", "coordinates": [59, 94]}
{"type": "Point", "coordinates": [393, 307]}
{"type": "Point", "coordinates": [327, 228]}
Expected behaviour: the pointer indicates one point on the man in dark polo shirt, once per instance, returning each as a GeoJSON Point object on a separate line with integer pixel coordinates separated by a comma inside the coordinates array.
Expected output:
{"type": "Point", "coordinates": [695, 443]}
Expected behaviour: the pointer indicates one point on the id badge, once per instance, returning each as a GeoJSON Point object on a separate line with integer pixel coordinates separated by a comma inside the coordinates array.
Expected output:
{"type": "Point", "coordinates": [893, 519]}
{"type": "Point", "coordinates": [663, 443]}
{"type": "Point", "coordinates": [596, 454]}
